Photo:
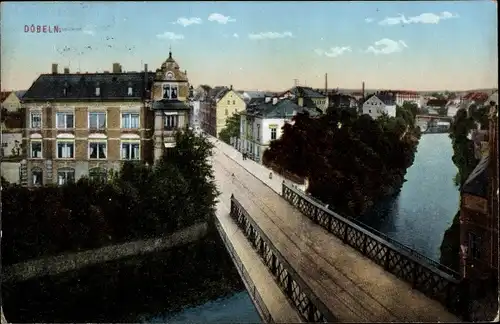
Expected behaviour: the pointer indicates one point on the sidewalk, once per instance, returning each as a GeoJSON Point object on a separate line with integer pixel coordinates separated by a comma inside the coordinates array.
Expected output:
{"type": "Point", "coordinates": [258, 170]}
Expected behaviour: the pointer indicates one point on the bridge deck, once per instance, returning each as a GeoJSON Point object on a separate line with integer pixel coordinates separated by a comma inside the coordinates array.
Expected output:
{"type": "Point", "coordinates": [351, 286]}
{"type": "Point", "coordinates": [268, 293]}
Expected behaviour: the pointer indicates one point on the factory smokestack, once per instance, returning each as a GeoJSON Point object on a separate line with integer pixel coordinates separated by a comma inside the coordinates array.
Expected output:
{"type": "Point", "coordinates": [363, 90]}
{"type": "Point", "coordinates": [326, 84]}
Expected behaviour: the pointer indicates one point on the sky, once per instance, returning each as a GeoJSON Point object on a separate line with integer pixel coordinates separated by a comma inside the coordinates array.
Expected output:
{"type": "Point", "coordinates": [411, 45]}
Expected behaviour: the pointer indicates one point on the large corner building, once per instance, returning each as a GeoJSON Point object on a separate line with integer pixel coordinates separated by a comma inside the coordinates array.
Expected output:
{"type": "Point", "coordinates": [86, 124]}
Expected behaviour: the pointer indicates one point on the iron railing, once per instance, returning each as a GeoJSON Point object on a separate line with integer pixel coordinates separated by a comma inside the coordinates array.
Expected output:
{"type": "Point", "coordinates": [414, 253]}
{"type": "Point", "coordinates": [252, 290]}
{"type": "Point", "coordinates": [394, 257]}
{"type": "Point", "coordinates": [300, 295]}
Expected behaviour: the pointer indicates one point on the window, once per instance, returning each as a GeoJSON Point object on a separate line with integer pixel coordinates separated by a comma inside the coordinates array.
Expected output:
{"type": "Point", "coordinates": [171, 122]}
{"type": "Point", "coordinates": [65, 176]}
{"type": "Point", "coordinates": [5, 144]}
{"type": "Point", "coordinates": [170, 91]}
{"type": "Point", "coordinates": [130, 151]}
{"type": "Point", "coordinates": [97, 120]}
{"type": "Point", "coordinates": [130, 120]}
{"type": "Point", "coordinates": [65, 149]}
{"type": "Point", "coordinates": [226, 112]}
{"type": "Point", "coordinates": [273, 133]}
{"type": "Point", "coordinates": [474, 245]}
{"type": "Point", "coordinates": [229, 102]}
{"type": "Point", "coordinates": [64, 120]}
{"type": "Point", "coordinates": [130, 92]}
{"type": "Point", "coordinates": [37, 177]}
{"type": "Point", "coordinates": [36, 149]}
{"type": "Point", "coordinates": [97, 150]}
{"type": "Point", "coordinates": [36, 120]}
{"type": "Point", "coordinates": [370, 111]}
{"type": "Point", "coordinates": [97, 91]}
{"type": "Point", "coordinates": [258, 132]}
{"type": "Point", "coordinates": [234, 102]}
{"type": "Point", "coordinates": [98, 175]}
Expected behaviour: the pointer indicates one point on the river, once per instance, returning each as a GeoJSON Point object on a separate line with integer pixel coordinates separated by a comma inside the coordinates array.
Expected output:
{"type": "Point", "coordinates": [417, 217]}
{"type": "Point", "coordinates": [427, 203]}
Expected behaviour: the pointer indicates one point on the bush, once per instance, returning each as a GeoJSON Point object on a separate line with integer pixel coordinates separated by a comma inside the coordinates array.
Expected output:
{"type": "Point", "coordinates": [139, 202]}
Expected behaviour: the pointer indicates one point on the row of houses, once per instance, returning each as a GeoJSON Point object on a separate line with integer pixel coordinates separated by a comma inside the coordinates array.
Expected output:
{"type": "Point", "coordinates": [86, 124]}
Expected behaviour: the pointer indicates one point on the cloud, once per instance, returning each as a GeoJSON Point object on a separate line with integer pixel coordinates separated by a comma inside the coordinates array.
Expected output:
{"type": "Point", "coordinates": [333, 51]}
{"type": "Point", "coordinates": [386, 46]}
{"type": "Point", "coordinates": [187, 21]}
{"type": "Point", "coordinates": [368, 20]}
{"type": "Point", "coordinates": [236, 35]}
{"type": "Point", "coordinates": [425, 18]}
{"type": "Point", "coordinates": [170, 36]}
{"type": "Point", "coordinates": [220, 18]}
{"type": "Point", "coordinates": [270, 35]}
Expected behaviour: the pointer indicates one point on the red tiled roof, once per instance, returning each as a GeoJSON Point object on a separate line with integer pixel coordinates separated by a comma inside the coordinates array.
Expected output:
{"type": "Point", "coordinates": [477, 96]}
{"type": "Point", "coordinates": [5, 94]}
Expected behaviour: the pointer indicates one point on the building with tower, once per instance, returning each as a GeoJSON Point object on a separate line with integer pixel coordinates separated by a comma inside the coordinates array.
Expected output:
{"type": "Point", "coordinates": [169, 103]}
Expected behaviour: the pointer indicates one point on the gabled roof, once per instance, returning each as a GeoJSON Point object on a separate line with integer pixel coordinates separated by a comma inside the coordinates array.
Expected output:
{"type": "Point", "coordinates": [255, 94]}
{"type": "Point", "coordinates": [4, 95]}
{"type": "Point", "coordinates": [217, 92]}
{"type": "Point", "coordinates": [205, 88]}
{"type": "Point", "coordinates": [339, 100]}
{"type": "Point", "coordinates": [387, 99]}
{"type": "Point", "coordinates": [306, 92]}
{"type": "Point", "coordinates": [20, 93]}
{"type": "Point", "coordinates": [284, 108]}
{"type": "Point", "coordinates": [477, 182]}
{"type": "Point", "coordinates": [82, 87]}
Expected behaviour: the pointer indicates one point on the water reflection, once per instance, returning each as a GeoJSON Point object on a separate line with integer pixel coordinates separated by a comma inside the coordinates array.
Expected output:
{"type": "Point", "coordinates": [427, 203]}
{"type": "Point", "coordinates": [237, 308]}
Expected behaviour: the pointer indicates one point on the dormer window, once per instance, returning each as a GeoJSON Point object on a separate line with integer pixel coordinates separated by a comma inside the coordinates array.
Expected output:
{"type": "Point", "coordinates": [65, 89]}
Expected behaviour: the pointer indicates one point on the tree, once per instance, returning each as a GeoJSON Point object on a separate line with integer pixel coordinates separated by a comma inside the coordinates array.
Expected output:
{"type": "Point", "coordinates": [350, 161]}
{"type": "Point", "coordinates": [232, 128]}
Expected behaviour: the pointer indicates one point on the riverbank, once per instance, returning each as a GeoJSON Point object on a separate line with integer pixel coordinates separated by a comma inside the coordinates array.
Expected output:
{"type": "Point", "coordinates": [127, 290]}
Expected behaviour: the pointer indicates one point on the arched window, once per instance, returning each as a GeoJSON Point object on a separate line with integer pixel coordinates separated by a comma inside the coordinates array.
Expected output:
{"type": "Point", "coordinates": [37, 177]}
{"type": "Point", "coordinates": [98, 174]}
{"type": "Point", "coordinates": [65, 175]}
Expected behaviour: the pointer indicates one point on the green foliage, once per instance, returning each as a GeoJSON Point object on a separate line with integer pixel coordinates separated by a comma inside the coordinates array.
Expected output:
{"type": "Point", "coordinates": [232, 128]}
{"type": "Point", "coordinates": [463, 148]}
{"type": "Point", "coordinates": [138, 202]}
{"type": "Point", "coordinates": [348, 167]}
{"type": "Point", "coordinates": [438, 95]}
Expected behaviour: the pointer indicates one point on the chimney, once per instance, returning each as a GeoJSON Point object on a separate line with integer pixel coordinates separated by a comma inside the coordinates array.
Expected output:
{"type": "Point", "coordinates": [275, 101]}
{"type": "Point", "coordinates": [231, 87]}
{"type": "Point", "coordinates": [117, 68]}
{"type": "Point", "coordinates": [326, 84]}
{"type": "Point", "coordinates": [146, 81]}
{"type": "Point", "coordinates": [66, 70]}
{"type": "Point", "coordinates": [267, 99]}
{"type": "Point", "coordinates": [54, 68]}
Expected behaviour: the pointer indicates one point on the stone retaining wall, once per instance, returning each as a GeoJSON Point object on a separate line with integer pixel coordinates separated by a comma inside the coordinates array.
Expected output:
{"type": "Point", "coordinates": [69, 262]}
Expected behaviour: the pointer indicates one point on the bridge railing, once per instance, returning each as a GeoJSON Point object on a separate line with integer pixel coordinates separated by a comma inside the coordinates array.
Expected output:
{"type": "Point", "coordinates": [414, 253]}
{"type": "Point", "coordinates": [394, 257]}
{"type": "Point", "coordinates": [252, 290]}
{"type": "Point", "coordinates": [307, 304]}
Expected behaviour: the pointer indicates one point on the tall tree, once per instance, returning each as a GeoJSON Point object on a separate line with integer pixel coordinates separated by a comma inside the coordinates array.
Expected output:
{"type": "Point", "coordinates": [232, 128]}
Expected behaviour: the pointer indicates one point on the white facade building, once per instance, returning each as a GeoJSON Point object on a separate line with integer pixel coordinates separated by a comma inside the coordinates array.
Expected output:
{"type": "Point", "coordinates": [263, 122]}
{"type": "Point", "coordinates": [377, 105]}
{"type": "Point", "coordinates": [408, 96]}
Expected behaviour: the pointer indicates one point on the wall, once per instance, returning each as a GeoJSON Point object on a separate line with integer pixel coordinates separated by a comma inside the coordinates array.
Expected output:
{"type": "Point", "coordinates": [69, 262]}
{"type": "Point", "coordinates": [10, 171]}
{"type": "Point", "coordinates": [11, 103]}
{"type": "Point", "coordinates": [113, 135]}
{"type": "Point", "coordinates": [231, 103]}
{"type": "Point", "coordinates": [9, 141]}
